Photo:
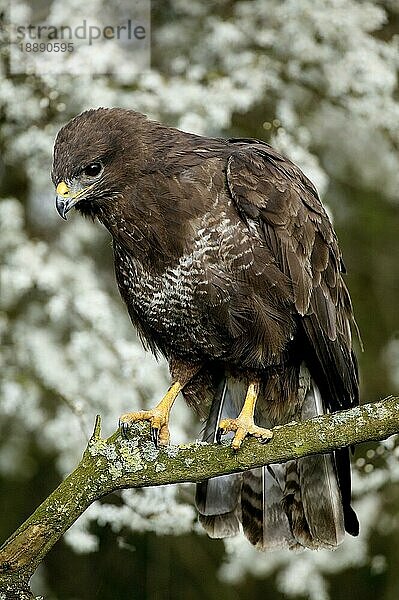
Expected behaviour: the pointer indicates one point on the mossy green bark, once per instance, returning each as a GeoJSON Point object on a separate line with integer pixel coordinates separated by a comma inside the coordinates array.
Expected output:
{"type": "Point", "coordinates": [115, 463]}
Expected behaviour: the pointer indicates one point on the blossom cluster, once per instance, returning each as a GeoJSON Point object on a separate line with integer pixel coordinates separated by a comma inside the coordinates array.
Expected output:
{"type": "Point", "coordinates": [311, 77]}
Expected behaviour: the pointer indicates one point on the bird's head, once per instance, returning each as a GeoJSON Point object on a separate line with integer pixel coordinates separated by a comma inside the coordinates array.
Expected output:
{"type": "Point", "coordinates": [93, 157]}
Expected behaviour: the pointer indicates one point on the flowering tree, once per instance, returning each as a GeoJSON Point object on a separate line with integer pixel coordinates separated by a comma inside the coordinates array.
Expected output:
{"type": "Point", "coordinates": [312, 77]}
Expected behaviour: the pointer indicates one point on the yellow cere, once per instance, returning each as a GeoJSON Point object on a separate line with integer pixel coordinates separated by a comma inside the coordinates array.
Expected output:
{"type": "Point", "coordinates": [62, 189]}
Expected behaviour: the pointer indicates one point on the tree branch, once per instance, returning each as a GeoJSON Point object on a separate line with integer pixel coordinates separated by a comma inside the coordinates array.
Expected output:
{"type": "Point", "coordinates": [114, 463]}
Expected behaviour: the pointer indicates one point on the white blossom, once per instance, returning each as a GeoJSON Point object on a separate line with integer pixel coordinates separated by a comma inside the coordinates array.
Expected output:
{"type": "Point", "coordinates": [324, 87]}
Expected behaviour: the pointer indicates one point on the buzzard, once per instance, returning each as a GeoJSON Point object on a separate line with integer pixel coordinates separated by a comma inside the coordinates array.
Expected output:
{"type": "Point", "coordinates": [230, 268]}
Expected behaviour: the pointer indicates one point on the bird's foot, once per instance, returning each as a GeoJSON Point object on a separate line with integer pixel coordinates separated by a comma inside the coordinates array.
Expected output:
{"type": "Point", "coordinates": [158, 418]}
{"type": "Point", "coordinates": [242, 426]}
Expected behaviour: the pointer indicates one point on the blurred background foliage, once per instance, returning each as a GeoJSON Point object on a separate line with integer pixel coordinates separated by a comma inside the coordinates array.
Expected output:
{"type": "Point", "coordinates": [317, 79]}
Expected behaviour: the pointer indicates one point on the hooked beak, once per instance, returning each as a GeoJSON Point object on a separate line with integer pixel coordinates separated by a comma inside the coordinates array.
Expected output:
{"type": "Point", "coordinates": [61, 206]}
{"type": "Point", "coordinates": [67, 198]}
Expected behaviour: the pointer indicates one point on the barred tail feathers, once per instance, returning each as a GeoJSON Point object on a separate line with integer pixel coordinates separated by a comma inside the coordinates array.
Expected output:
{"type": "Point", "coordinates": [264, 520]}
{"type": "Point", "coordinates": [293, 505]}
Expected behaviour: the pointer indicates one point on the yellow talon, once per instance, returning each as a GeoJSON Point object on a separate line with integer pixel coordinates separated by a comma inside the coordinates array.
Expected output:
{"type": "Point", "coordinates": [158, 417]}
{"type": "Point", "coordinates": [244, 424]}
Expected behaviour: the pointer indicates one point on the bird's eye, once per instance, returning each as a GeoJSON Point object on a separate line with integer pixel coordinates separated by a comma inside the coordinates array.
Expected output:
{"type": "Point", "coordinates": [93, 169]}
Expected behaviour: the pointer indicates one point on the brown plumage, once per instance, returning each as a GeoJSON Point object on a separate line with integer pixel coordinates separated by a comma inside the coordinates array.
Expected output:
{"type": "Point", "coordinates": [230, 268]}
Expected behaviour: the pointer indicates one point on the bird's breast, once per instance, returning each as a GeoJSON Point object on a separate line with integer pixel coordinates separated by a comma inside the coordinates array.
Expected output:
{"type": "Point", "coordinates": [179, 304]}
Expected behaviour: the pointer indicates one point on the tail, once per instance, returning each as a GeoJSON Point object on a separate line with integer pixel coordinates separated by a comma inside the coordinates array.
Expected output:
{"type": "Point", "coordinates": [292, 505]}
{"type": "Point", "coordinates": [217, 499]}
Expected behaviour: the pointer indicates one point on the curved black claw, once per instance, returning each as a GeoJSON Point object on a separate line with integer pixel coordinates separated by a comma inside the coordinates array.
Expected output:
{"type": "Point", "coordinates": [124, 427]}
{"type": "Point", "coordinates": [155, 436]}
{"type": "Point", "coordinates": [265, 440]}
{"type": "Point", "coordinates": [219, 434]}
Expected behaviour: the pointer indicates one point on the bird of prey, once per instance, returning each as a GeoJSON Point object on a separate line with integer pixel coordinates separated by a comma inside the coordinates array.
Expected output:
{"type": "Point", "coordinates": [230, 268]}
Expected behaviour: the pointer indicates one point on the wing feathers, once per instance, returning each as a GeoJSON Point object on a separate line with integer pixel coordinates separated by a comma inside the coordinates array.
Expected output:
{"type": "Point", "coordinates": [305, 502]}
{"type": "Point", "coordinates": [273, 193]}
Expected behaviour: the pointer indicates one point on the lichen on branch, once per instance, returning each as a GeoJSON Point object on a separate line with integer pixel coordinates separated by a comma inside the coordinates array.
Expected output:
{"type": "Point", "coordinates": [115, 463]}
